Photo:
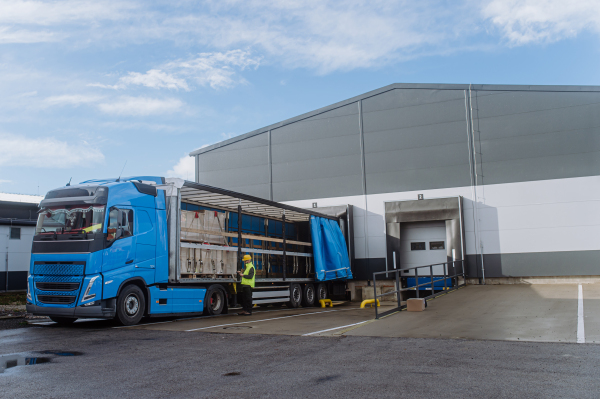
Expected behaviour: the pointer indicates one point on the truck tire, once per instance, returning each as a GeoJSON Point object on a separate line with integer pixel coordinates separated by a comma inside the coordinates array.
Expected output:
{"type": "Point", "coordinates": [309, 295]}
{"type": "Point", "coordinates": [214, 301]}
{"type": "Point", "coordinates": [131, 305]}
{"type": "Point", "coordinates": [321, 293]}
{"type": "Point", "coordinates": [65, 321]}
{"type": "Point", "coordinates": [295, 296]}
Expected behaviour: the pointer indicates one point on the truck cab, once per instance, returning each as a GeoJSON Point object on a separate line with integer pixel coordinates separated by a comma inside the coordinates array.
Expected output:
{"type": "Point", "coordinates": [95, 244]}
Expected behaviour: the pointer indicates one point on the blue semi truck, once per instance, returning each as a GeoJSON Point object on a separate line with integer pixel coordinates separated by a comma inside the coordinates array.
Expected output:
{"type": "Point", "coordinates": [147, 246]}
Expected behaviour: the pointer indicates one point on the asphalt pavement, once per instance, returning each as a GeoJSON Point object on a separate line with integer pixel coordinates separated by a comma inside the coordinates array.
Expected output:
{"type": "Point", "coordinates": [127, 363]}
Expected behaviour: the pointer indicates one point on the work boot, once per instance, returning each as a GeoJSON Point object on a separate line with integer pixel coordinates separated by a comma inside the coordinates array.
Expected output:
{"type": "Point", "coordinates": [244, 313]}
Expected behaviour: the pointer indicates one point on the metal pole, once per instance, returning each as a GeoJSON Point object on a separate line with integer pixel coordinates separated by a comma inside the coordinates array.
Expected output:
{"type": "Point", "coordinates": [240, 263]}
{"type": "Point", "coordinates": [445, 284]}
{"type": "Point", "coordinates": [398, 287]}
{"type": "Point", "coordinates": [375, 295]}
{"type": "Point", "coordinates": [284, 246]}
{"type": "Point", "coordinates": [431, 276]}
{"type": "Point", "coordinates": [417, 281]}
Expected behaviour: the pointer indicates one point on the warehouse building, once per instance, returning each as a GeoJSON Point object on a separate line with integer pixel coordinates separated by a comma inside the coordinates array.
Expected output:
{"type": "Point", "coordinates": [18, 216]}
{"type": "Point", "coordinates": [505, 177]}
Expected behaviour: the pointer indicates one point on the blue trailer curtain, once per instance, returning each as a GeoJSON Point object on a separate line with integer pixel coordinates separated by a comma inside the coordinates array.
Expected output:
{"type": "Point", "coordinates": [329, 250]}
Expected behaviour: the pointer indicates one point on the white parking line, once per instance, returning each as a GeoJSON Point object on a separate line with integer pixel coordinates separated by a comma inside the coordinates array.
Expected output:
{"type": "Point", "coordinates": [200, 317]}
{"type": "Point", "coordinates": [336, 328]}
{"type": "Point", "coordinates": [580, 325]}
{"type": "Point", "coordinates": [274, 318]}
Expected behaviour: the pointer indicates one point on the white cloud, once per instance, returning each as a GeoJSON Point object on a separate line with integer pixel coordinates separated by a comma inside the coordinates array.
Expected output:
{"type": "Point", "coordinates": [217, 70]}
{"type": "Point", "coordinates": [530, 21]}
{"type": "Point", "coordinates": [5, 181]}
{"type": "Point", "coordinates": [30, 21]}
{"type": "Point", "coordinates": [326, 35]}
{"type": "Point", "coordinates": [184, 168]}
{"type": "Point", "coordinates": [71, 99]}
{"type": "Point", "coordinates": [141, 106]}
{"type": "Point", "coordinates": [47, 152]}
{"type": "Point", "coordinates": [155, 79]}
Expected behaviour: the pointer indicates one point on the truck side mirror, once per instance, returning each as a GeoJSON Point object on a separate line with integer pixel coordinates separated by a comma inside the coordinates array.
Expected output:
{"type": "Point", "coordinates": [119, 233]}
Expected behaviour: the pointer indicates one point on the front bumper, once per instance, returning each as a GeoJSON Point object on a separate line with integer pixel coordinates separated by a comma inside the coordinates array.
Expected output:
{"type": "Point", "coordinates": [103, 310]}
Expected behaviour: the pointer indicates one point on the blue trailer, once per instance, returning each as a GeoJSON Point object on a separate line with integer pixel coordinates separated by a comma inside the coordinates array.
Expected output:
{"type": "Point", "coordinates": [149, 246]}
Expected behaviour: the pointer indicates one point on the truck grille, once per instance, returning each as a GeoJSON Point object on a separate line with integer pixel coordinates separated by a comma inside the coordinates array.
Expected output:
{"type": "Point", "coordinates": [57, 286]}
{"type": "Point", "coordinates": [56, 299]}
{"type": "Point", "coordinates": [58, 269]}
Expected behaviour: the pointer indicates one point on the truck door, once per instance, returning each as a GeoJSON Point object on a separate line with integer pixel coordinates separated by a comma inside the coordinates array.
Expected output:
{"type": "Point", "coordinates": [120, 238]}
{"type": "Point", "coordinates": [145, 222]}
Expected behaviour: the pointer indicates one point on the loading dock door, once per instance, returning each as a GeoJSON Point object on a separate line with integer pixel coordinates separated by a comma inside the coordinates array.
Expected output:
{"type": "Point", "coordinates": [423, 243]}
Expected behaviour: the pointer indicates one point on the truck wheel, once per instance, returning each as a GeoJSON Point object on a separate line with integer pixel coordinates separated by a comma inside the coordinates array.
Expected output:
{"type": "Point", "coordinates": [65, 321]}
{"type": "Point", "coordinates": [295, 296]}
{"type": "Point", "coordinates": [321, 293]}
{"type": "Point", "coordinates": [308, 297]}
{"type": "Point", "coordinates": [130, 305]}
{"type": "Point", "coordinates": [214, 301]}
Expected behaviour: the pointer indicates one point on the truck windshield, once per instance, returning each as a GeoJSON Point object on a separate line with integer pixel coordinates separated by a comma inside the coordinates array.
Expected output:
{"type": "Point", "coordinates": [70, 219]}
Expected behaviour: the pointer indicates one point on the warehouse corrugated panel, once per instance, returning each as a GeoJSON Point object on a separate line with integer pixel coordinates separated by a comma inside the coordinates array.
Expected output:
{"type": "Point", "coordinates": [415, 139]}
{"type": "Point", "coordinates": [242, 166]}
{"type": "Point", "coordinates": [528, 135]}
{"type": "Point", "coordinates": [318, 156]}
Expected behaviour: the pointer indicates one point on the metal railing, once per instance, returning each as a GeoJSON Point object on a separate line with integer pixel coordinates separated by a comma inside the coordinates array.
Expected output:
{"type": "Point", "coordinates": [431, 284]}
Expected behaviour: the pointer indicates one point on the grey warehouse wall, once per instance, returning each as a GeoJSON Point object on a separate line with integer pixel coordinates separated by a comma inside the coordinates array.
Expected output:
{"type": "Point", "coordinates": [415, 139]}
{"type": "Point", "coordinates": [529, 135]}
{"type": "Point", "coordinates": [409, 137]}
{"type": "Point", "coordinates": [242, 166]}
{"type": "Point", "coordinates": [318, 156]}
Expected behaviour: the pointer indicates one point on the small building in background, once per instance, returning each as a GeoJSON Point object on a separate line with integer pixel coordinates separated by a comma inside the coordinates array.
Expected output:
{"type": "Point", "coordinates": [18, 216]}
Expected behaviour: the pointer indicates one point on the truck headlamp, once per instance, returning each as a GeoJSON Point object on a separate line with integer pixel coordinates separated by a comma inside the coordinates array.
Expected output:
{"type": "Point", "coordinates": [29, 297]}
{"type": "Point", "coordinates": [86, 295]}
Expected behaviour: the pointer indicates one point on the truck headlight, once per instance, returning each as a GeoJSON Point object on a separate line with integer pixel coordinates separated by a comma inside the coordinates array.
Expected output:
{"type": "Point", "coordinates": [29, 297]}
{"type": "Point", "coordinates": [86, 295]}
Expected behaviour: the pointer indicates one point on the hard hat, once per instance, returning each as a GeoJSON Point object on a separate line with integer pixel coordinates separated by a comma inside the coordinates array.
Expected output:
{"type": "Point", "coordinates": [247, 257]}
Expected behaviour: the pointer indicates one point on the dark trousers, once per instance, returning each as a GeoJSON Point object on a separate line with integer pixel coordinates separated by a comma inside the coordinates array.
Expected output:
{"type": "Point", "coordinates": [247, 298]}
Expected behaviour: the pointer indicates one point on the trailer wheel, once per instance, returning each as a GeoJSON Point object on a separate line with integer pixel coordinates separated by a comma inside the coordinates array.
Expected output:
{"type": "Point", "coordinates": [308, 299]}
{"type": "Point", "coordinates": [321, 293]}
{"type": "Point", "coordinates": [130, 305]}
{"type": "Point", "coordinates": [295, 296]}
{"type": "Point", "coordinates": [65, 321]}
{"type": "Point", "coordinates": [214, 301]}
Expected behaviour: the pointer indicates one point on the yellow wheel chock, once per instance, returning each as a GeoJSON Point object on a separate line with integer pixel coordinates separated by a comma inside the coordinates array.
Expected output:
{"type": "Point", "coordinates": [324, 303]}
{"type": "Point", "coordinates": [369, 301]}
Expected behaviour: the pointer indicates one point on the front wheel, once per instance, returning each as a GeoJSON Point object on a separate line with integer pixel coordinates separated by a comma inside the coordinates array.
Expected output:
{"type": "Point", "coordinates": [65, 321]}
{"type": "Point", "coordinates": [130, 305]}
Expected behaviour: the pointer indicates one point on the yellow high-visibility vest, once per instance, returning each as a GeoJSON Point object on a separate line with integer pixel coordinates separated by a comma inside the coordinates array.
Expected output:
{"type": "Point", "coordinates": [249, 281]}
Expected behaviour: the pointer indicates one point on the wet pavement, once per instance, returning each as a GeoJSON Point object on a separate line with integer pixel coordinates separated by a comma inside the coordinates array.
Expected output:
{"type": "Point", "coordinates": [119, 362]}
{"type": "Point", "coordinates": [492, 341]}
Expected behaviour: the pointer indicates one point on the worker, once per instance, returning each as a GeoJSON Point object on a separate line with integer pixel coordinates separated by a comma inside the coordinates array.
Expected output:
{"type": "Point", "coordinates": [248, 277]}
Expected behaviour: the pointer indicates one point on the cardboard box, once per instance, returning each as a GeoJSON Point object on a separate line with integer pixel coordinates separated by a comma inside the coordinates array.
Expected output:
{"type": "Point", "coordinates": [415, 305]}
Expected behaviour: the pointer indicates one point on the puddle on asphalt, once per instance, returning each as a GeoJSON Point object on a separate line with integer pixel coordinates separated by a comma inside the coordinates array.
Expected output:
{"type": "Point", "coordinates": [10, 361]}
{"type": "Point", "coordinates": [19, 359]}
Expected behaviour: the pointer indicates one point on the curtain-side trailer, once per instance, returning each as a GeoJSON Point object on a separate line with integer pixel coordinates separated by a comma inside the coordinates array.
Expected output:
{"type": "Point", "coordinates": [150, 246]}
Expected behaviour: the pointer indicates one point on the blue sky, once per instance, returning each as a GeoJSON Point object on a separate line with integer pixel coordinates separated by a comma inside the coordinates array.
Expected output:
{"type": "Point", "coordinates": [89, 85]}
